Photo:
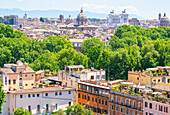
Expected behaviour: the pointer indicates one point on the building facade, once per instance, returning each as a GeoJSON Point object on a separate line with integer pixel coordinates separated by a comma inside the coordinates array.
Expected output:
{"type": "Point", "coordinates": [155, 108]}
{"type": "Point", "coordinates": [124, 104]}
{"type": "Point", "coordinates": [114, 19]}
{"type": "Point", "coordinates": [133, 21]}
{"type": "Point", "coordinates": [11, 19]}
{"type": "Point", "coordinates": [40, 100]}
{"type": "Point", "coordinates": [164, 21]}
{"type": "Point", "coordinates": [151, 76]}
{"type": "Point", "coordinates": [17, 76]}
{"type": "Point", "coordinates": [93, 95]}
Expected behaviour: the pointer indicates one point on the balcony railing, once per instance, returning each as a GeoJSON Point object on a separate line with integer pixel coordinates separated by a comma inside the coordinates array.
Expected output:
{"type": "Point", "coordinates": [126, 95]}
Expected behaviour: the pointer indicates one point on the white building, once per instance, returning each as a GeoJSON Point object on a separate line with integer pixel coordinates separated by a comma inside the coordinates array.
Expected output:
{"type": "Point", "coordinates": [116, 20]}
{"type": "Point", "coordinates": [39, 100]}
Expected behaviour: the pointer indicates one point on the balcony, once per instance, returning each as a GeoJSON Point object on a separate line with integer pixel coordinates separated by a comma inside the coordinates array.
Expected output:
{"type": "Point", "coordinates": [126, 95]}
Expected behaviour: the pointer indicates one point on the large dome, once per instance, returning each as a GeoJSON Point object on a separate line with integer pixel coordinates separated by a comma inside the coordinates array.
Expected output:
{"type": "Point", "coordinates": [81, 15]}
{"type": "Point", "coordinates": [164, 18]}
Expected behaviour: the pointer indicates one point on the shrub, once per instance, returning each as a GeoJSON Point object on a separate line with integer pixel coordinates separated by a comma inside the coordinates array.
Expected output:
{"type": "Point", "coordinates": [164, 93]}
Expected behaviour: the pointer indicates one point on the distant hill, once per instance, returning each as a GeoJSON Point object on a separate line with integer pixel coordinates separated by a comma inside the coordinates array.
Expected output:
{"type": "Point", "coordinates": [55, 13]}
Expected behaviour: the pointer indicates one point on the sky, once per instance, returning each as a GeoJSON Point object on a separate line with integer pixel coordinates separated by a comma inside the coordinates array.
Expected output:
{"type": "Point", "coordinates": [148, 9]}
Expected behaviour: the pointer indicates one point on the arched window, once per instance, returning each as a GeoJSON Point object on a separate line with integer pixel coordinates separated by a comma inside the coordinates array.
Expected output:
{"type": "Point", "coordinates": [38, 108]}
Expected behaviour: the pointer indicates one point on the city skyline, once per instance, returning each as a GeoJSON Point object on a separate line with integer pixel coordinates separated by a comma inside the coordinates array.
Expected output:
{"type": "Point", "coordinates": [143, 8]}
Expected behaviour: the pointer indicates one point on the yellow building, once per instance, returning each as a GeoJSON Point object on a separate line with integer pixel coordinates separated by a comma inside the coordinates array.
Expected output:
{"type": "Point", "coordinates": [17, 76]}
{"type": "Point", "coordinates": [150, 76]}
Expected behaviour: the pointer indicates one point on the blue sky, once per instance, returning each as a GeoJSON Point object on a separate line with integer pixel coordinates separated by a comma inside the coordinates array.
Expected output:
{"type": "Point", "coordinates": [145, 8]}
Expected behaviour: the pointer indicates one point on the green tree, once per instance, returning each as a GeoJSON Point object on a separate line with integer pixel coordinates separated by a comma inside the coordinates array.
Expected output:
{"type": "Point", "coordinates": [2, 96]}
{"type": "Point", "coordinates": [89, 43]}
{"type": "Point", "coordinates": [21, 111]}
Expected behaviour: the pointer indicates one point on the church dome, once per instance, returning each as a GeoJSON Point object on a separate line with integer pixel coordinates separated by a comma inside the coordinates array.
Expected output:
{"type": "Point", "coordinates": [165, 18]}
{"type": "Point", "coordinates": [81, 16]}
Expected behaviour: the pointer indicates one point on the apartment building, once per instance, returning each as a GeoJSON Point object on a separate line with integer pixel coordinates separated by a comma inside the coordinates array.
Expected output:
{"type": "Point", "coordinates": [152, 107]}
{"type": "Point", "coordinates": [151, 76]}
{"type": "Point", "coordinates": [94, 95]}
{"type": "Point", "coordinates": [17, 76]}
{"type": "Point", "coordinates": [124, 104]}
{"type": "Point", "coordinates": [40, 100]}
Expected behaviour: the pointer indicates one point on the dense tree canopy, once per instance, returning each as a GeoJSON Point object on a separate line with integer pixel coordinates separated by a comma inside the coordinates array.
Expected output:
{"type": "Point", "coordinates": [130, 47]}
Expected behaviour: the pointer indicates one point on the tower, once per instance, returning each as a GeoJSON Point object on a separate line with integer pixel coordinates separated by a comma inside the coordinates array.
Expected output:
{"type": "Point", "coordinates": [159, 17]}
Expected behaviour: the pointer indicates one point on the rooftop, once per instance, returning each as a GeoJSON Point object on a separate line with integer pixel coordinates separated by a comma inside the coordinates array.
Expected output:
{"type": "Point", "coordinates": [45, 89]}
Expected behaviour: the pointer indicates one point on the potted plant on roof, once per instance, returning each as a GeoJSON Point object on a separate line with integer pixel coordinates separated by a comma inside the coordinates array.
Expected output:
{"type": "Point", "coordinates": [159, 73]}
{"type": "Point", "coordinates": [40, 85]}
{"type": "Point", "coordinates": [57, 83]}
{"type": "Point", "coordinates": [163, 73]}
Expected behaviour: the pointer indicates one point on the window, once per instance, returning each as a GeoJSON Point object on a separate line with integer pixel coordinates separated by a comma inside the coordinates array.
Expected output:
{"type": "Point", "coordinates": [112, 98]}
{"type": "Point", "coordinates": [85, 97]}
{"type": "Point", "coordinates": [103, 76]}
{"type": "Point", "coordinates": [96, 100]}
{"type": "Point", "coordinates": [126, 101]}
{"type": "Point", "coordinates": [121, 110]}
{"type": "Point", "coordinates": [105, 102]}
{"type": "Point", "coordinates": [33, 95]}
{"type": "Point", "coordinates": [146, 104]}
{"type": "Point", "coordinates": [26, 84]}
{"type": "Point", "coordinates": [32, 75]}
{"type": "Point", "coordinates": [160, 107]}
{"type": "Point", "coordinates": [150, 105]}
{"type": "Point", "coordinates": [29, 108]}
{"type": "Point", "coordinates": [47, 107]}
{"type": "Point", "coordinates": [121, 100]}
{"type": "Point", "coordinates": [98, 77]}
{"type": "Point", "coordinates": [60, 93]}
{"type": "Point", "coordinates": [116, 99]}
{"type": "Point", "coordinates": [46, 94]}
{"type": "Point", "coordinates": [133, 112]}
{"type": "Point", "coordinates": [38, 95]}
{"type": "Point", "coordinates": [112, 107]}
{"type": "Point", "coordinates": [32, 84]}
{"type": "Point", "coordinates": [129, 112]}
{"type": "Point", "coordinates": [56, 106]}
{"type": "Point", "coordinates": [137, 78]}
{"type": "Point", "coordinates": [99, 101]}
{"type": "Point", "coordinates": [133, 104]}
{"type": "Point", "coordinates": [69, 103]}
{"type": "Point", "coordinates": [130, 102]}
{"type": "Point", "coordinates": [38, 108]}
{"type": "Point", "coordinates": [21, 96]}
{"type": "Point", "coordinates": [56, 93]}
{"type": "Point", "coordinates": [14, 81]}
{"type": "Point", "coordinates": [79, 95]}
{"type": "Point", "coordinates": [88, 98]}
{"type": "Point", "coordinates": [92, 77]}
{"type": "Point", "coordinates": [9, 81]}
{"type": "Point", "coordinates": [92, 99]}
{"type": "Point", "coordinates": [146, 113]}
{"type": "Point", "coordinates": [69, 92]}
{"type": "Point", "coordinates": [158, 80]}
{"type": "Point", "coordinates": [29, 95]}
{"type": "Point", "coordinates": [126, 111]}
{"type": "Point", "coordinates": [166, 109]}
{"type": "Point", "coordinates": [5, 80]}
{"type": "Point", "coordinates": [116, 108]}
{"type": "Point", "coordinates": [25, 75]}
{"type": "Point", "coordinates": [150, 113]}
{"type": "Point", "coordinates": [139, 105]}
